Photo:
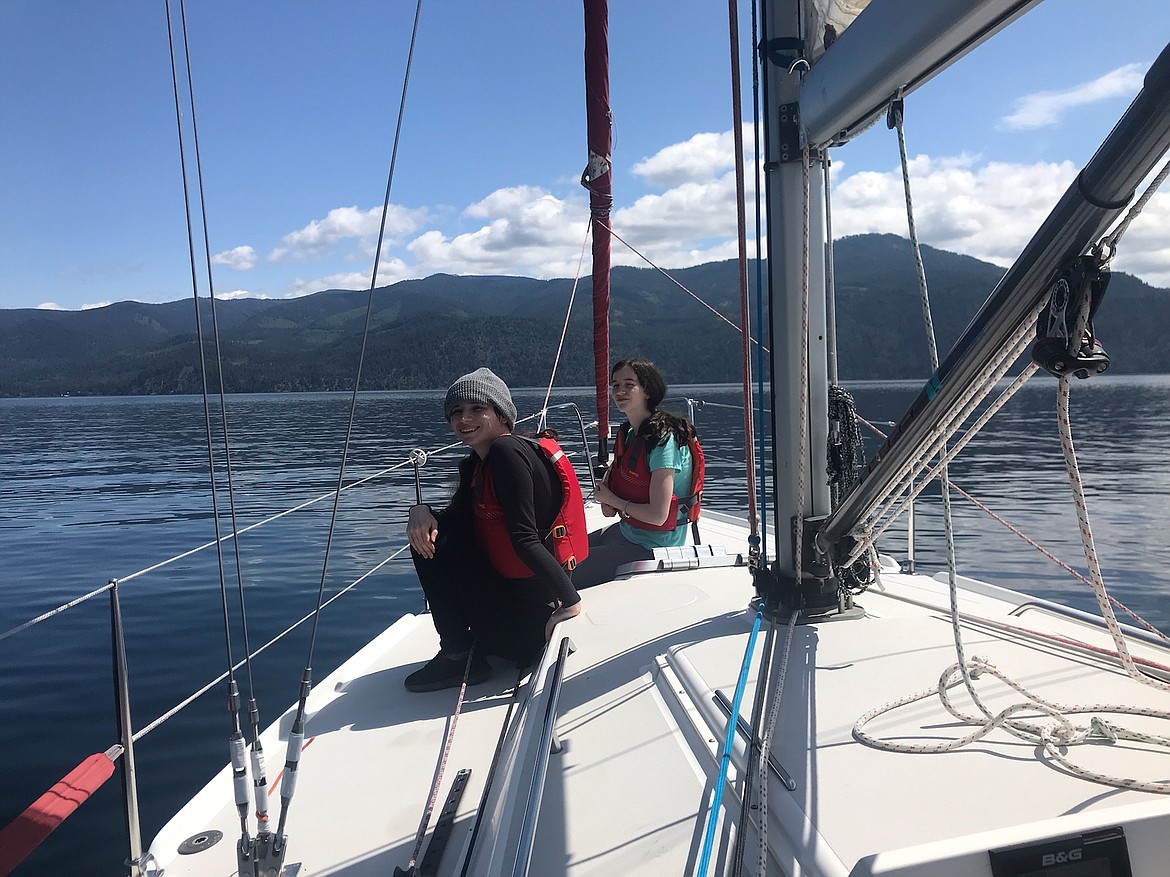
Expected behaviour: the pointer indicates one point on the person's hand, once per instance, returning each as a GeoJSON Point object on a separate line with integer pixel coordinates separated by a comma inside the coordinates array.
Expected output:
{"type": "Point", "coordinates": [422, 529]}
{"type": "Point", "coordinates": [608, 499]}
{"type": "Point", "coordinates": [560, 615]}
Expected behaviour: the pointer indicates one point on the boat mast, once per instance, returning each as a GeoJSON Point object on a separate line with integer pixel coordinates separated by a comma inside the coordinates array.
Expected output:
{"type": "Point", "coordinates": [892, 46]}
{"type": "Point", "coordinates": [598, 180]}
{"type": "Point", "coordinates": [800, 414]}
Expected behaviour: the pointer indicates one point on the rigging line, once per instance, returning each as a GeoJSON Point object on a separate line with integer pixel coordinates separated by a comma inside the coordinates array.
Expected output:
{"type": "Point", "coordinates": [279, 515]}
{"type": "Point", "coordinates": [45, 616]}
{"type": "Point", "coordinates": [444, 754]}
{"type": "Point", "coordinates": [681, 286]}
{"type": "Point", "coordinates": [1074, 475]}
{"type": "Point", "coordinates": [872, 530]}
{"type": "Point", "coordinates": [964, 406]}
{"type": "Point", "coordinates": [366, 325]}
{"type": "Point", "coordinates": [987, 510]}
{"type": "Point", "coordinates": [491, 774]}
{"type": "Point", "coordinates": [728, 740]}
{"type": "Point", "coordinates": [1060, 734]}
{"type": "Point", "coordinates": [897, 115]}
{"type": "Point", "coordinates": [752, 767]}
{"type": "Point", "coordinates": [744, 309]}
{"type": "Point", "coordinates": [777, 695]}
{"type": "Point", "coordinates": [797, 554]}
{"type": "Point", "coordinates": [236, 740]}
{"type": "Point", "coordinates": [253, 711]}
{"type": "Point", "coordinates": [760, 310]}
{"type": "Point", "coordinates": [1066, 567]}
{"type": "Point", "coordinates": [1110, 241]}
{"type": "Point", "coordinates": [830, 278]}
{"type": "Point", "coordinates": [306, 617]}
{"type": "Point", "coordinates": [552, 378]}
{"type": "Point", "coordinates": [770, 640]}
{"type": "Point", "coordinates": [296, 734]}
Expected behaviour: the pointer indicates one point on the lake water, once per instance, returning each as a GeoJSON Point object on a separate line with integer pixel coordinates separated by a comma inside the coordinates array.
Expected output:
{"type": "Point", "coordinates": [95, 489]}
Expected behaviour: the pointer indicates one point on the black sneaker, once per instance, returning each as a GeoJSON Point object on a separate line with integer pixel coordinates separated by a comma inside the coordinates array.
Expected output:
{"type": "Point", "coordinates": [442, 672]}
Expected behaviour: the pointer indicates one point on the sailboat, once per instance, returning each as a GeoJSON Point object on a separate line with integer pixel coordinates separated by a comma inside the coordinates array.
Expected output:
{"type": "Point", "coordinates": [779, 700]}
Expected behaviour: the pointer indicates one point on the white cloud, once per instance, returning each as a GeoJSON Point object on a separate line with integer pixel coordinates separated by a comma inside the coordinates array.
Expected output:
{"type": "Point", "coordinates": [390, 271]}
{"type": "Point", "coordinates": [964, 203]}
{"type": "Point", "coordinates": [237, 258]}
{"type": "Point", "coordinates": [986, 210]}
{"type": "Point", "coordinates": [701, 157]}
{"type": "Point", "coordinates": [240, 293]}
{"type": "Point", "coordinates": [1045, 108]}
{"type": "Point", "coordinates": [528, 231]}
{"type": "Point", "coordinates": [320, 237]}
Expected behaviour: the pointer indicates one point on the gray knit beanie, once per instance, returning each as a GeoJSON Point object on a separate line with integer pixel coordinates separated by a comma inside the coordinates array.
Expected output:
{"type": "Point", "coordinates": [482, 386]}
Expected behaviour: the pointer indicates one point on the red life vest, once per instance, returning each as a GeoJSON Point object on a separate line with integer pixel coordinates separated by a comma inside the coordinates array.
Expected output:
{"type": "Point", "coordinates": [569, 534]}
{"type": "Point", "coordinates": [629, 478]}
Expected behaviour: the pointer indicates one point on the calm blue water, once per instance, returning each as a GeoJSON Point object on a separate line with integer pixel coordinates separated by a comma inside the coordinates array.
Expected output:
{"type": "Point", "coordinates": [95, 489]}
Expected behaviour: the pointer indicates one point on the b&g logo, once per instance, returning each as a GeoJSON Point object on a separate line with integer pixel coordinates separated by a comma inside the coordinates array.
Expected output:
{"type": "Point", "coordinates": [1060, 858]}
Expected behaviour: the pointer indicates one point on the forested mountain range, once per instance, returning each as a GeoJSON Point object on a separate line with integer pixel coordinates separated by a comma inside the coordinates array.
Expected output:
{"type": "Point", "coordinates": [424, 333]}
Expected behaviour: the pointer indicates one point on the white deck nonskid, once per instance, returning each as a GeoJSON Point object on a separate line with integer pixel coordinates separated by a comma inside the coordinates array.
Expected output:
{"type": "Point", "coordinates": [641, 733]}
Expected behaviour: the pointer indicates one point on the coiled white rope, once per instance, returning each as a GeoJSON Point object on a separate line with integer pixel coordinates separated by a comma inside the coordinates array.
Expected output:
{"type": "Point", "coordinates": [1059, 732]}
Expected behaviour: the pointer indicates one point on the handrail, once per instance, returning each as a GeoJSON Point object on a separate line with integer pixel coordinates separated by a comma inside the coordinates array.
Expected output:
{"type": "Point", "coordinates": [540, 769]}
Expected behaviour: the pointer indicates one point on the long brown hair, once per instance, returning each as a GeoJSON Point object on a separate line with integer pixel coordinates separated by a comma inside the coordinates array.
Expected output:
{"type": "Point", "coordinates": [659, 424]}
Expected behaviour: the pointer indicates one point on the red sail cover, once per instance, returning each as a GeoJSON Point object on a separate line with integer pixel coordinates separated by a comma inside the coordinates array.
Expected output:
{"type": "Point", "coordinates": [599, 182]}
{"type": "Point", "coordinates": [25, 833]}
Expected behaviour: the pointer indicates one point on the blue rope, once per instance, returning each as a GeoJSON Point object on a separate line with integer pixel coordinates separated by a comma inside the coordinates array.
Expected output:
{"type": "Point", "coordinates": [725, 759]}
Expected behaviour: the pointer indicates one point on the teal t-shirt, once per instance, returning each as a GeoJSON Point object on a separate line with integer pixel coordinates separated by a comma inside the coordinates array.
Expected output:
{"type": "Point", "coordinates": [668, 455]}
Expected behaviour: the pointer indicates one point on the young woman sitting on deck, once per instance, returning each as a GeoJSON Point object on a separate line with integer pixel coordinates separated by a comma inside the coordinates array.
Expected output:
{"type": "Point", "coordinates": [649, 484]}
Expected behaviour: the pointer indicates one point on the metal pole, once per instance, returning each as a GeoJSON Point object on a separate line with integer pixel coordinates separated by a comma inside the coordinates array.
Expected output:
{"type": "Point", "coordinates": [125, 732]}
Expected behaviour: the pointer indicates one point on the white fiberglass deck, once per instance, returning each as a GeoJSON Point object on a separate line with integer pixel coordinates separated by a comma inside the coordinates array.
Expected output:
{"type": "Point", "coordinates": [641, 732]}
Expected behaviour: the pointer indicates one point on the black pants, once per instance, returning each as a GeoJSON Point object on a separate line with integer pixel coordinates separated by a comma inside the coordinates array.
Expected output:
{"type": "Point", "coordinates": [470, 602]}
{"type": "Point", "coordinates": [608, 549]}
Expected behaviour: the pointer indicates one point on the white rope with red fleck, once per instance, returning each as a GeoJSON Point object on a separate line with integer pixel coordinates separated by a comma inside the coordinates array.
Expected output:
{"type": "Point", "coordinates": [445, 754]}
{"type": "Point", "coordinates": [1097, 581]}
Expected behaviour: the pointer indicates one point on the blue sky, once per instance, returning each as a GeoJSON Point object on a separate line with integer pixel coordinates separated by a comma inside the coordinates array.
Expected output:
{"type": "Point", "coordinates": [296, 104]}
